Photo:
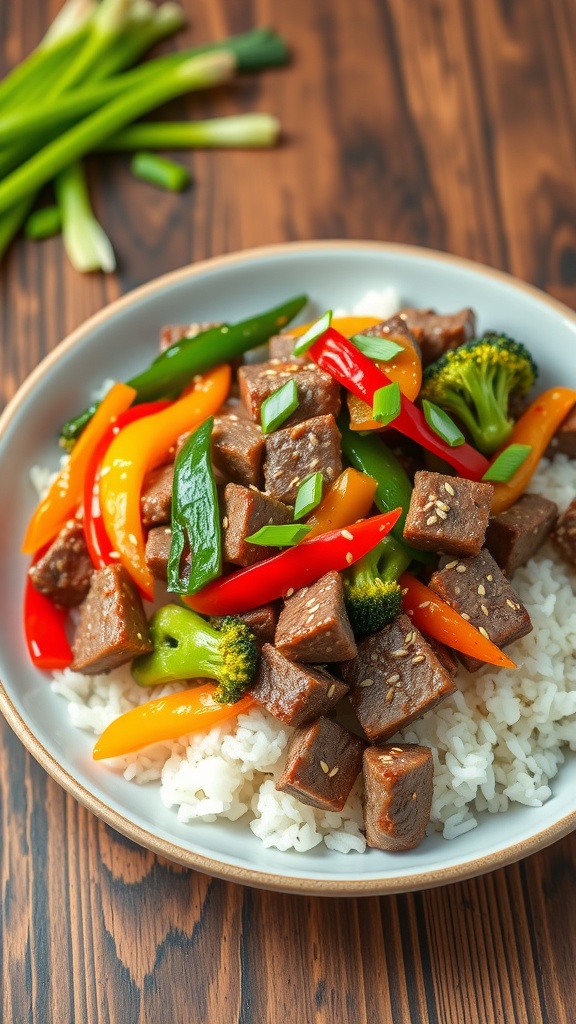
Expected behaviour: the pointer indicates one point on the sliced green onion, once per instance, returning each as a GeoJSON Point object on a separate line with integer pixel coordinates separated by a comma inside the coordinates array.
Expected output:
{"type": "Point", "coordinates": [278, 406]}
{"type": "Point", "coordinates": [381, 349]}
{"type": "Point", "coordinates": [387, 403]}
{"type": "Point", "coordinates": [43, 223]}
{"type": "Point", "coordinates": [252, 131]}
{"type": "Point", "coordinates": [506, 464]}
{"type": "Point", "coordinates": [441, 423]}
{"type": "Point", "coordinates": [308, 496]}
{"type": "Point", "coordinates": [313, 333]}
{"type": "Point", "coordinates": [87, 244]}
{"type": "Point", "coordinates": [156, 170]}
{"type": "Point", "coordinates": [279, 536]}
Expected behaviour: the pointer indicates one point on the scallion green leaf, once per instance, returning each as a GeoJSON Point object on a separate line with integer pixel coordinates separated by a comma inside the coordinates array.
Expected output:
{"type": "Point", "coordinates": [387, 403]}
{"type": "Point", "coordinates": [505, 465]}
{"type": "Point", "coordinates": [159, 171]}
{"type": "Point", "coordinates": [279, 536]}
{"type": "Point", "coordinates": [278, 406]}
{"type": "Point", "coordinates": [308, 496]}
{"type": "Point", "coordinates": [313, 333]}
{"type": "Point", "coordinates": [441, 423]}
{"type": "Point", "coordinates": [382, 349]}
{"type": "Point", "coordinates": [43, 223]}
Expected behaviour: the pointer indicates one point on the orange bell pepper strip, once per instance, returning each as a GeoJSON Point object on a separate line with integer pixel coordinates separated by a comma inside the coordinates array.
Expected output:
{"type": "Point", "coordinates": [437, 619]}
{"type": "Point", "coordinates": [65, 494]}
{"type": "Point", "coordinates": [535, 427]}
{"type": "Point", "coordinates": [137, 449]}
{"type": "Point", "coordinates": [348, 499]}
{"type": "Point", "coordinates": [166, 718]}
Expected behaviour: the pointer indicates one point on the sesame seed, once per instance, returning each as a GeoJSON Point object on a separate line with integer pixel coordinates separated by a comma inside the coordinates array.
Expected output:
{"type": "Point", "coordinates": [409, 638]}
{"type": "Point", "coordinates": [510, 603]}
{"type": "Point", "coordinates": [313, 439]}
{"type": "Point", "coordinates": [489, 577]}
{"type": "Point", "coordinates": [424, 604]}
{"type": "Point", "coordinates": [346, 534]}
{"type": "Point", "coordinates": [114, 554]}
{"type": "Point", "coordinates": [349, 557]}
{"type": "Point", "coordinates": [331, 690]}
{"type": "Point", "coordinates": [484, 609]}
{"type": "Point", "coordinates": [441, 514]}
{"type": "Point", "coordinates": [132, 538]}
{"type": "Point", "coordinates": [289, 592]}
{"type": "Point", "coordinates": [314, 463]}
{"type": "Point", "coordinates": [448, 487]}
{"type": "Point", "coordinates": [414, 796]}
{"type": "Point", "coordinates": [483, 631]}
{"type": "Point", "coordinates": [428, 506]}
{"type": "Point", "coordinates": [417, 659]}
{"type": "Point", "coordinates": [139, 635]}
{"type": "Point", "coordinates": [460, 568]}
{"type": "Point", "coordinates": [394, 678]}
{"type": "Point", "coordinates": [456, 590]}
{"type": "Point", "coordinates": [451, 564]}
{"type": "Point", "coordinates": [373, 657]}
{"type": "Point", "coordinates": [225, 522]}
{"type": "Point", "coordinates": [481, 590]}
{"type": "Point", "coordinates": [309, 619]}
{"type": "Point", "coordinates": [431, 520]}
{"type": "Point", "coordinates": [396, 750]}
{"type": "Point", "coordinates": [333, 771]}
{"type": "Point", "coordinates": [310, 602]}
{"type": "Point", "coordinates": [464, 615]}
{"type": "Point", "coordinates": [442, 505]}
{"type": "Point", "coordinates": [294, 481]}
{"type": "Point", "coordinates": [390, 694]}
{"type": "Point", "coordinates": [366, 682]}
{"type": "Point", "coordinates": [400, 653]}
{"type": "Point", "coordinates": [324, 767]}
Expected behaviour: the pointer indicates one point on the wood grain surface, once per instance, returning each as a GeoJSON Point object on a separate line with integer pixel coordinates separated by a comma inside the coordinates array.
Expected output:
{"type": "Point", "coordinates": [446, 123]}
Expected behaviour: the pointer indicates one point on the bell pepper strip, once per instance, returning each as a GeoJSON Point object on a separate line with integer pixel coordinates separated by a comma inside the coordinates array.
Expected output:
{"type": "Point", "coordinates": [435, 618]}
{"type": "Point", "coordinates": [166, 718]}
{"type": "Point", "coordinates": [297, 567]}
{"type": "Point", "coordinates": [140, 447]}
{"type": "Point", "coordinates": [348, 499]}
{"type": "Point", "coordinates": [177, 365]}
{"type": "Point", "coordinates": [334, 354]}
{"type": "Point", "coordinates": [45, 627]}
{"type": "Point", "coordinates": [536, 427]}
{"type": "Point", "coordinates": [97, 540]}
{"type": "Point", "coordinates": [65, 494]}
{"type": "Point", "coordinates": [195, 515]}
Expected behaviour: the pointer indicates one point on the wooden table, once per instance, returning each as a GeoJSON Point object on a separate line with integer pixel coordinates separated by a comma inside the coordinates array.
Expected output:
{"type": "Point", "coordinates": [446, 123]}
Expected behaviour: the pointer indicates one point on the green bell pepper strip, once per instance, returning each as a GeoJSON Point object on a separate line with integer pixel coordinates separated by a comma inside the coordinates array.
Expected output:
{"type": "Point", "coordinates": [195, 515]}
{"type": "Point", "coordinates": [174, 368]}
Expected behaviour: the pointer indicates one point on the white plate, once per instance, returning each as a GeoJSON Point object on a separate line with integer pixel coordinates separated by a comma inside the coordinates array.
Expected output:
{"type": "Point", "coordinates": [118, 342]}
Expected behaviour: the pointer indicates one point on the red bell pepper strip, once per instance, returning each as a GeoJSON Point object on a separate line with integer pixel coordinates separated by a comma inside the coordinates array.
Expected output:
{"type": "Point", "coordinates": [292, 569]}
{"type": "Point", "coordinates": [45, 627]}
{"type": "Point", "coordinates": [342, 360]}
{"type": "Point", "coordinates": [100, 547]}
{"type": "Point", "coordinates": [432, 616]}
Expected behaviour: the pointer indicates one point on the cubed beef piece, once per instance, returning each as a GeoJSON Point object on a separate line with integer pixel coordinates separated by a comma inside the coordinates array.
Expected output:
{"type": "Point", "coordinates": [514, 535]}
{"type": "Point", "coordinates": [156, 497]}
{"type": "Point", "coordinates": [244, 511]}
{"type": "Point", "coordinates": [437, 333]}
{"type": "Point", "coordinates": [480, 592]}
{"type": "Point", "coordinates": [445, 655]}
{"type": "Point", "coordinates": [262, 621]}
{"type": "Point", "coordinates": [175, 332]}
{"type": "Point", "coordinates": [448, 513]}
{"type": "Point", "coordinates": [313, 625]}
{"type": "Point", "coordinates": [293, 453]}
{"type": "Point", "coordinates": [157, 551]}
{"type": "Point", "coordinates": [318, 392]}
{"type": "Point", "coordinates": [64, 571]}
{"type": "Point", "coordinates": [322, 763]}
{"type": "Point", "coordinates": [398, 784]}
{"type": "Point", "coordinates": [394, 678]}
{"type": "Point", "coordinates": [237, 450]}
{"type": "Point", "coordinates": [564, 535]}
{"type": "Point", "coordinates": [112, 627]}
{"type": "Point", "coordinates": [281, 348]}
{"type": "Point", "coordinates": [564, 440]}
{"type": "Point", "coordinates": [294, 693]}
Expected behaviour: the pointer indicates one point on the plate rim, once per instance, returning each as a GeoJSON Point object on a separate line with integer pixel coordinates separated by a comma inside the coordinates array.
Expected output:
{"type": "Point", "coordinates": [171, 850]}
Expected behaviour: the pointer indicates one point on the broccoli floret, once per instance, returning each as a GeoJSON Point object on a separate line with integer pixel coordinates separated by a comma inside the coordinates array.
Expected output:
{"type": "Point", "coordinates": [371, 590]}
{"type": "Point", "coordinates": [475, 382]}
{"type": "Point", "coordinates": [188, 647]}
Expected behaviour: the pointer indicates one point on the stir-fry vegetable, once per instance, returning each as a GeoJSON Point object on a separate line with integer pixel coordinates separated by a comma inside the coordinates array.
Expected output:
{"type": "Point", "coordinates": [349, 498]}
{"type": "Point", "coordinates": [195, 519]}
{"type": "Point", "coordinates": [166, 718]}
{"type": "Point", "coordinates": [373, 594]}
{"type": "Point", "coordinates": [283, 574]}
{"type": "Point", "coordinates": [45, 629]}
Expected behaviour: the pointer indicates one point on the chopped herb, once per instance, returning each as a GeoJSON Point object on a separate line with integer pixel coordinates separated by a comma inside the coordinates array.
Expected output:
{"type": "Point", "coordinates": [313, 333]}
{"type": "Point", "coordinates": [387, 403]}
{"type": "Point", "coordinates": [506, 464]}
{"type": "Point", "coordinates": [309, 494]}
{"type": "Point", "coordinates": [381, 349]}
{"type": "Point", "coordinates": [279, 536]}
{"type": "Point", "coordinates": [278, 406]}
{"type": "Point", "coordinates": [442, 424]}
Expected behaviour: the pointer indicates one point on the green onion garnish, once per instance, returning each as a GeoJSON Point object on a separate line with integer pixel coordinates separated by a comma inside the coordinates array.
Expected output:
{"type": "Point", "coordinates": [313, 333]}
{"type": "Point", "coordinates": [279, 536]}
{"type": "Point", "coordinates": [506, 464]}
{"type": "Point", "coordinates": [156, 170]}
{"type": "Point", "coordinates": [387, 403]}
{"type": "Point", "coordinates": [278, 406]}
{"type": "Point", "coordinates": [309, 494]}
{"type": "Point", "coordinates": [441, 423]}
{"type": "Point", "coordinates": [381, 349]}
{"type": "Point", "coordinates": [43, 223]}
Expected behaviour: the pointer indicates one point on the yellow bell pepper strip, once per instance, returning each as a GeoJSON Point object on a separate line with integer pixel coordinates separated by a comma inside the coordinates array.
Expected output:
{"type": "Point", "coordinates": [435, 618]}
{"type": "Point", "coordinates": [348, 499]}
{"type": "Point", "coordinates": [536, 427]}
{"type": "Point", "coordinates": [166, 718]}
{"type": "Point", "coordinates": [137, 449]}
{"type": "Point", "coordinates": [65, 494]}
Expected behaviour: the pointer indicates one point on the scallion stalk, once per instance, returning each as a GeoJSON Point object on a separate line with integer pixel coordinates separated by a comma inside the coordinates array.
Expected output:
{"type": "Point", "coordinates": [198, 73]}
{"type": "Point", "coordinates": [106, 28]}
{"type": "Point", "coordinates": [156, 170]}
{"type": "Point", "coordinates": [241, 130]}
{"type": "Point", "coordinates": [86, 242]}
{"type": "Point", "coordinates": [141, 35]}
{"type": "Point", "coordinates": [43, 223]}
